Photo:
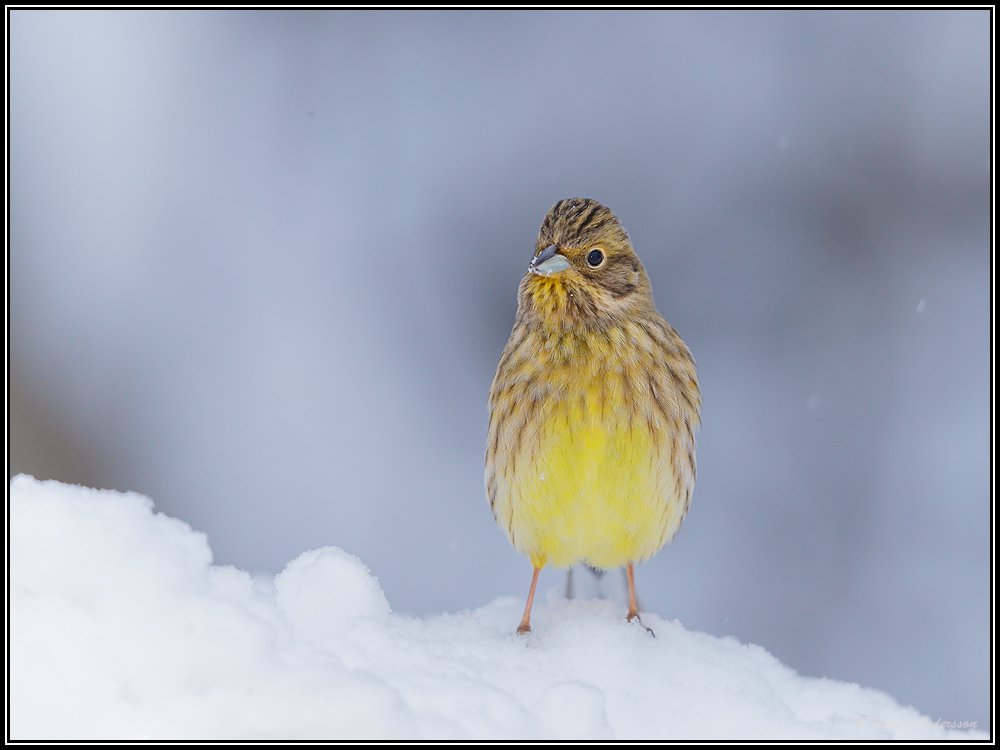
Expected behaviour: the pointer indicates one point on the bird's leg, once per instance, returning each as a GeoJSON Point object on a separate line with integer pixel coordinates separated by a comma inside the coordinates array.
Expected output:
{"type": "Point", "coordinates": [638, 604]}
{"type": "Point", "coordinates": [525, 626]}
{"type": "Point", "coordinates": [569, 583]}
{"type": "Point", "coordinates": [633, 608]}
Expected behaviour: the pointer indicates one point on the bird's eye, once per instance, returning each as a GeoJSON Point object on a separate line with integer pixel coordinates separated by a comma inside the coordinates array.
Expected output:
{"type": "Point", "coordinates": [595, 258]}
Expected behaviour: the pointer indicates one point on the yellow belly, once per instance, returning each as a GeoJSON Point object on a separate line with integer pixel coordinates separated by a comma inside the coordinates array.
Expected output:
{"type": "Point", "coordinates": [596, 487]}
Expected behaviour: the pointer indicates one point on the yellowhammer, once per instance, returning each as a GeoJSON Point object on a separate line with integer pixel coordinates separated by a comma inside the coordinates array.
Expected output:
{"type": "Point", "coordinates": [594, 406]}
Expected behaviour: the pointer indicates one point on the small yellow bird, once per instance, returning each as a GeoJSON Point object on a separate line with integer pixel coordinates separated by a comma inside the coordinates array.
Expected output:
{"type": "Point", "coordinates": [590, 455]}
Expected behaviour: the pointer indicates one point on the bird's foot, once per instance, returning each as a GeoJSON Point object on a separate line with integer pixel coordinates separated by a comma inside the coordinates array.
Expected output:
{"type": "Point", "coordinates": [634, 617]}
{"type": "Point", "coordinates": [523, 629]}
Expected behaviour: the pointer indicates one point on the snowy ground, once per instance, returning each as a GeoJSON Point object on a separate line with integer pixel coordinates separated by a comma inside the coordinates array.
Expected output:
{"type": "Point", "coordinates": [121, 627]}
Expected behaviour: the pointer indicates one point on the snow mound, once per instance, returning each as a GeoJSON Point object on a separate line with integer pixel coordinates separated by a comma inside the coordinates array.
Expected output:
{"type": "Point", "coordinates": [122, 628]}
{"type": "Point", "coordinates": [326, 591]}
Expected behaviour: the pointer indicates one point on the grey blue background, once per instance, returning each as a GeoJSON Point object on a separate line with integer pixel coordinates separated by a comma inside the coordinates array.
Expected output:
{"type": "Point", "coordinates": [262, 266]}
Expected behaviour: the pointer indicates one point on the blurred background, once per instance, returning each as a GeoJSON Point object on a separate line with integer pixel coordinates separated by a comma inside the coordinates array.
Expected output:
{"type": "Point", "coordinates": [262, 266]}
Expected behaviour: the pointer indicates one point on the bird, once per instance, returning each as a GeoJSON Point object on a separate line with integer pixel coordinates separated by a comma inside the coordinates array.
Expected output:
{"type": "Point", "coordinates": [594, 407]}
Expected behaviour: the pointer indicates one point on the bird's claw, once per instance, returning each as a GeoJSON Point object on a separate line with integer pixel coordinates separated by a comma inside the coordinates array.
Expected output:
{"type": "Point", "coordinates": [635, 618]}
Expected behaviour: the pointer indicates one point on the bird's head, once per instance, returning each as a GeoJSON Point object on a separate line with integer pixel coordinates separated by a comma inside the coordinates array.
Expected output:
{"type": "Point", "coordinates": [584, 269]}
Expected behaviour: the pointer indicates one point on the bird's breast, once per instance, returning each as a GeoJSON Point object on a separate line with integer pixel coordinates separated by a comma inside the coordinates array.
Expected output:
{"type": "Point", "coordinates": [583, 463]}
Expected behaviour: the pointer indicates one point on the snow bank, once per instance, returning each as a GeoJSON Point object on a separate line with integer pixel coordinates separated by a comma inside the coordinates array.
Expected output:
{"type": "Point", "coordinates": [121, 628]}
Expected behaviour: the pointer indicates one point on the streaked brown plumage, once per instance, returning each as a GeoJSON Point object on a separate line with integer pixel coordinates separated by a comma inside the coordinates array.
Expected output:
{"type": "Point", "coordinates": [591, 451]}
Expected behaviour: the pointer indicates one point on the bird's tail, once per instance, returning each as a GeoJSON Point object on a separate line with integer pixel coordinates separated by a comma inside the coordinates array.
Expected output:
{"type": "Point", "coordinates": [588, 582]}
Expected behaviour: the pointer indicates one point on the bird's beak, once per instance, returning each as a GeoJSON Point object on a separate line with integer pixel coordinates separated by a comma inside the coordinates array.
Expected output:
{"type": "Point", "coordinates": [548, 262]}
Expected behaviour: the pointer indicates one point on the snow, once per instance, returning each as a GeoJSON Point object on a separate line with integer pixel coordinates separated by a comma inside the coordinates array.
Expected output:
{"type": "Point", "coordinates": [122, 628]}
